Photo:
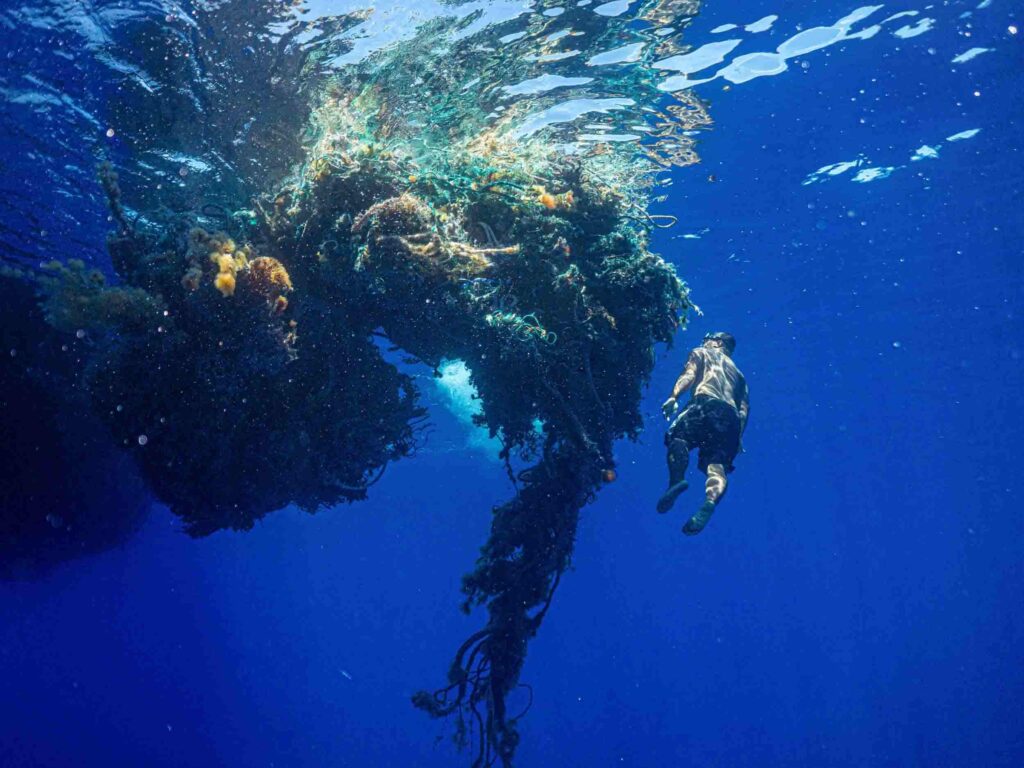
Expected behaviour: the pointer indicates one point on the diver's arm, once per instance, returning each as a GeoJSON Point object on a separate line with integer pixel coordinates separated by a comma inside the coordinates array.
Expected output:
{"type": "Point", "coordinates": [683, 383]}
{"type": "Point", "coordinates": [743, 410]}
{"type": "Point", "coordinates": [687, 377]}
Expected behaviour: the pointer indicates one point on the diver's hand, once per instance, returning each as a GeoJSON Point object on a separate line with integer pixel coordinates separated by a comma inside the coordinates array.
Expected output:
{"type": "Point", "coordinates": [669, 407]}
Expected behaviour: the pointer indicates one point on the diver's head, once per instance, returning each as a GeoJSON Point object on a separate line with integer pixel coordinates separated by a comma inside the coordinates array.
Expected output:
{"type": "Point", "coordinates": [720, 340]}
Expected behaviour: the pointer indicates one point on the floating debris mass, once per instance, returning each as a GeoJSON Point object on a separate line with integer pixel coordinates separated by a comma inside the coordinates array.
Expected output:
{"type": "Point", "coordinates": [433, 211]}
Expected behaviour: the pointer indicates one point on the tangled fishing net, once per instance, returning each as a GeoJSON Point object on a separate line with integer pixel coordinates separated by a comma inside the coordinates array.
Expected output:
{"type": "Point", "coordinates": [433, 214]}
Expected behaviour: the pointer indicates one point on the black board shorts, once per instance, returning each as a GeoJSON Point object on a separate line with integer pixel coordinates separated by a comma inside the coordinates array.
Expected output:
{"type": "Point", "coordinates": [710, 425]}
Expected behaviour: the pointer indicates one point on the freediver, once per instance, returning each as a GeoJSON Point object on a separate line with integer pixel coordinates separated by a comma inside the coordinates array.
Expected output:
{"type": "Point", "coordinates": [712, 422]}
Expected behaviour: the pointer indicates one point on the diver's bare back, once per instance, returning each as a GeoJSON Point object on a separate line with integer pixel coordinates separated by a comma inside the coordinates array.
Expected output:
{"type": "Point", "coordinates": [717, 376]}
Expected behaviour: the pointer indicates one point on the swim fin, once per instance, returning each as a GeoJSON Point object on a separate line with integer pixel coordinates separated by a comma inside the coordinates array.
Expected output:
{"type": "Point", "coordinates": [696, 523]}
{"type": "Point", "coordinates": [669, 498]}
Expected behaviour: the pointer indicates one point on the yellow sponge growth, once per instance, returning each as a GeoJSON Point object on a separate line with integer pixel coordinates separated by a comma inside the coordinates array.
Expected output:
{"type": "Point", "coordinates": [225, 283]}
{"type": "Point", "coordinates": [227, 267]}
{"type": "Point", "coordinates": [564, 202]}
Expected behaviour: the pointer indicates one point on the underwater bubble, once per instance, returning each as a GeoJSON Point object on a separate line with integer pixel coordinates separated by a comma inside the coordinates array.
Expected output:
{"type": "Point", "coordinates": [80, 334]}
{"type": "Point", "coordinates": [110, 133]}
{"type": "Point", "coordinates": [1011, 29]}
{"type": "Point", "coordinates": [143, 439]}
{"type": "Point", "coordinates": [55, 521]}
{"type": "Point", "coordinates": [183, 171]}
{"type": "Point", "coordinates": [897, 344]}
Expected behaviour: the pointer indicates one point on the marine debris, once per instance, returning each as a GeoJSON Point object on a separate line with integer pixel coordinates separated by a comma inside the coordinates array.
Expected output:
{"type": "Point", "coordinates": [251, 355]}
{"type": "Point", "coordinates": [199, 349]}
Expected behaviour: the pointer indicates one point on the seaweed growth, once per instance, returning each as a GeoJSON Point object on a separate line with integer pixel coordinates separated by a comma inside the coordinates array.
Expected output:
{"type": "Point", "coordinates": [242, 366]}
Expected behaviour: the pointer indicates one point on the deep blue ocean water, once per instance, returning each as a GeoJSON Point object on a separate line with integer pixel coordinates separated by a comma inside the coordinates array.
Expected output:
{"type": "Point", "coordinates": [855, 602]}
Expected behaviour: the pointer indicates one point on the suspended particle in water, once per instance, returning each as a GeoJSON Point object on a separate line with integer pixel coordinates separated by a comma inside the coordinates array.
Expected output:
{"type": "Point", "coordinates": [1012, 29]}
{"type": "Point", "coordinates": [183, 171]}
{"type": "Point", "coordinates": [805, 65]}
{"type": "Point", "coordinates": [79, 334]}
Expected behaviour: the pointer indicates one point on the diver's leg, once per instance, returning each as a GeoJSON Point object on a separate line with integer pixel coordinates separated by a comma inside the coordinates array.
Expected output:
{"type": "Point", "coordinates": [716, 483]}
{"type": "Point", "coordinates": [714, 489]}
{"type": "Point", "coordinates": [678, 461]}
